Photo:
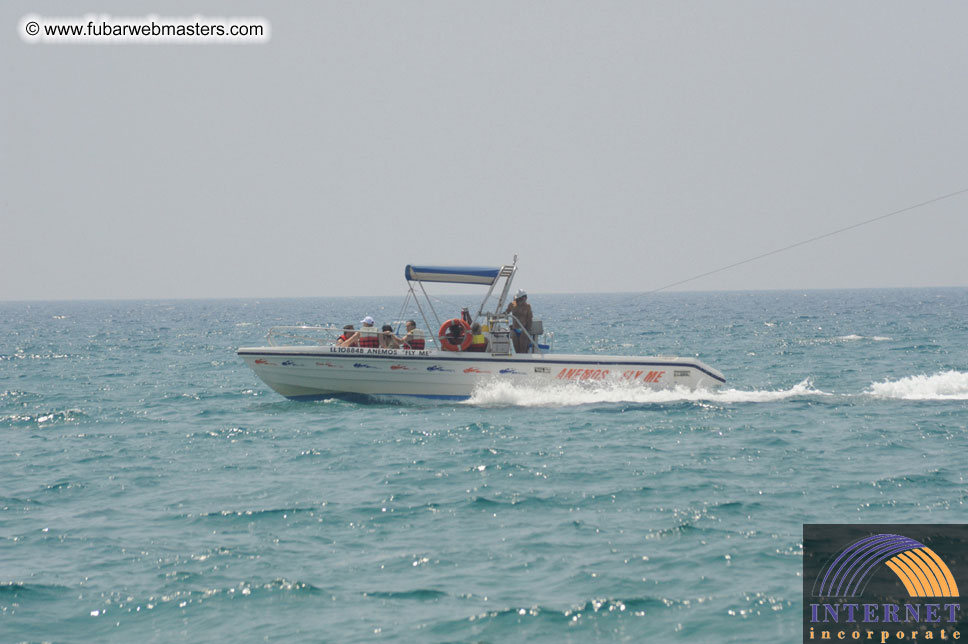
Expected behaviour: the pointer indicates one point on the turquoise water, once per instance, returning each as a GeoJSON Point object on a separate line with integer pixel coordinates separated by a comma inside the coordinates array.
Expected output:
{"type": "Point", "coordinates": [153, 489]}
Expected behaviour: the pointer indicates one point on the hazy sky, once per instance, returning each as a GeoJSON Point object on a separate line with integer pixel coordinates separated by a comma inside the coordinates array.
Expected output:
{"type": "Point", "coordinates": [614, 146]}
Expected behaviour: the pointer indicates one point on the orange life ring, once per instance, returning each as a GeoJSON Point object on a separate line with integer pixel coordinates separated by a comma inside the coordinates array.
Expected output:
{"type": "Point", "coordinates": [446, 343]}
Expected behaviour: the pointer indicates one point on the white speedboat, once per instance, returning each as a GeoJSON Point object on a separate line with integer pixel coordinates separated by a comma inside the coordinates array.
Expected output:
{"type": "Point", "coordinates": [307, 362]}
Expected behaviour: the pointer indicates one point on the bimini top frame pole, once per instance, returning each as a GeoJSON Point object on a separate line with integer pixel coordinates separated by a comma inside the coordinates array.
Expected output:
{"type": "Point", "coordinates": [507, 272]}
{"type": "Point", "coordinates": [482, 275]}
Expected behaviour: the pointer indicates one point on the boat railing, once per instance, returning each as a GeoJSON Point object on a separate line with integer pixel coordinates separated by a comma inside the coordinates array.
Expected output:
{"type": "Point", "coordinates": [287, 335]}
{"type": "Point", "coordinates": [547, 342]}
{"type": "Point", "coordinates": [280, 336]}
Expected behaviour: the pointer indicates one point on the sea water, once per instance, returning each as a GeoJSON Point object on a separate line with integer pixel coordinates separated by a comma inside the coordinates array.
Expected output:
{"type": "Point", "coordinates": [152, 489]}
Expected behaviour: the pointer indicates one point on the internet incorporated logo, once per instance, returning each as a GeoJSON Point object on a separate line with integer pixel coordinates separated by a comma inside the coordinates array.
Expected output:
{"type": "Point", "coordinates": [920, 570]}
{"type": "Point", "coordinates": [880, 583]}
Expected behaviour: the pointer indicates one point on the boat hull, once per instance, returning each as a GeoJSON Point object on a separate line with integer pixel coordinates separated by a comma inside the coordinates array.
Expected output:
{"type": "Point", "coordinates": [314, 372]}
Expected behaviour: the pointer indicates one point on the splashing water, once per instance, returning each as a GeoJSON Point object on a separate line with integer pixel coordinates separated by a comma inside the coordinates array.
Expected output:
{"type": "Point", "coordinates": [945, 385]}
{"type": "Point", "coordinates": [503, 393]}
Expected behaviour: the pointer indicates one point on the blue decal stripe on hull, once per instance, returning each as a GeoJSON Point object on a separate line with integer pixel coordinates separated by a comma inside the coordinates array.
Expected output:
{"type": "Point", "coordinates": [351, 397]}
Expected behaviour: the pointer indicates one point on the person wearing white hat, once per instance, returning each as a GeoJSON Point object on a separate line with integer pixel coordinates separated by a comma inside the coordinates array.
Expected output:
{"type": "Point", "coordinates": [521, 319]}
{"type": "Point", "coordinates": [366, 338]}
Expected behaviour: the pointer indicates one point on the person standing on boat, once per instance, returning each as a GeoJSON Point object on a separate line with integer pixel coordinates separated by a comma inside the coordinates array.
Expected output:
{"type": "Point", "coordinates": [414, 338]}
{"type": "Point", "coordinates": [521, 314]}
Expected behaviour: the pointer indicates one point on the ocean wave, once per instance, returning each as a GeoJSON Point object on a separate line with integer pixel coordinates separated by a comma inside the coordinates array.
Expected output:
{"type": "Point", "coordinates": [632, 607]}
{"type": "Point", "coordinates": [63, 485]}
{"type": "Point", "coordinates": [934, 479]}
{"type": "Point", "coordinates": [516, 500]}
{"type": "Point", "coordinates": [421, 594]}
{"type": "Point", "coordinates": [571, 394]}
{"type": "Point", "coordinates": [21, 355]}
{"type": "Point", "coordinates": [254, 515]}
{"type": "Point", "coordinates": [945, 385]}
{"type": "Point", "coordinates": [584, 621]}
{"type": "Point", "coordinates": [115, 603]}
{"type": "Point", "coordinates": [852, 337]}
{"type": "Point", "coordinates": [43, 418]}
{"type": "Point", "coordinates": [18, 396]}
{"type": "Point", "coordinates": [15, 590]}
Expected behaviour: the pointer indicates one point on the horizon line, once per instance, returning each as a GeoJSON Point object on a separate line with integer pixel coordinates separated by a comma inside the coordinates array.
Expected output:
{"type": "Point", "coordinates": [534, 293]}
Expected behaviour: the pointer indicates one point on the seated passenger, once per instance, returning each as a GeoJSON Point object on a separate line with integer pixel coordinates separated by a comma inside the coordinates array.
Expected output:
{"type": "Point", "coordinates": [414, 338]}
{"type": "Point", "coordinates": [387, 339]}
{"type": "Point", "coordinates": [455, 335]}
{"type": "Point", "coordinates": [366, 338]}
{"type": "Point", "coordinates": [478, 339]}
{"type": "Point", "coordinates": [369, 336]}
{"type": "Point", "coordinates": [342, 340]}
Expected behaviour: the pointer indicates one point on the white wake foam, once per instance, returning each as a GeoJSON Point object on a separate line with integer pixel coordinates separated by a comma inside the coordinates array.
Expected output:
{"type": "Point", "coordinates": [853, 337]}
{"type": "Point", "coordinates": [945, 385]}
{"type": "Point", "coordinates": [503, 393]}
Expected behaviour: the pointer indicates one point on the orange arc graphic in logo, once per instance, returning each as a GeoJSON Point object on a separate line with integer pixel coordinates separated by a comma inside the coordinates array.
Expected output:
{"type": "Point", "coordinates": [923, 573]}
{"type": "Point", "coordinates": [475, 370]}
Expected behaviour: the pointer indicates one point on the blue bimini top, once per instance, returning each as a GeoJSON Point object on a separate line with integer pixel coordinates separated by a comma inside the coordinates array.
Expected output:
{"type": "Point", "coordinates": [452, 274]}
